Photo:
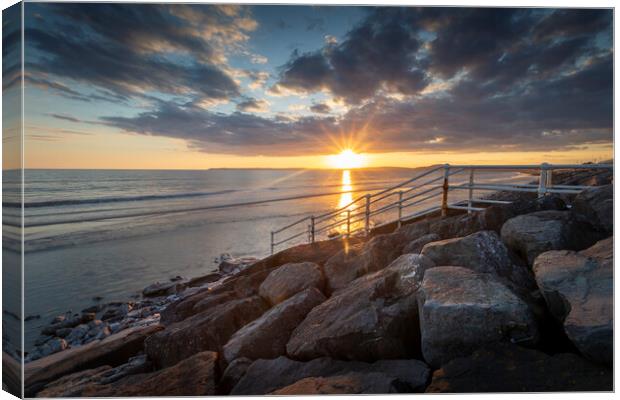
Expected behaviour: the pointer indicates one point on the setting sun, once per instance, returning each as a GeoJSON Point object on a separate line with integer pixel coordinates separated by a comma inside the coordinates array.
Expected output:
{"type": "Point", "coordinates": [347, 159]}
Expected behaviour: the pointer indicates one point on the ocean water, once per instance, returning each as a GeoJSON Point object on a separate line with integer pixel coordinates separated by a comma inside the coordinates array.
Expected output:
{"type": "Point", "coordinates": [110, 233]}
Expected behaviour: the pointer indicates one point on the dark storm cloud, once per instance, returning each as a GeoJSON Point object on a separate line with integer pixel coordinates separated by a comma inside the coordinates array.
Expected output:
{"type": "Point", "coordinates": [500, 47]}
{"type": "Point", "coordinates": [377, 53]}
{"type": "Point", "coordinates": [129, 50]}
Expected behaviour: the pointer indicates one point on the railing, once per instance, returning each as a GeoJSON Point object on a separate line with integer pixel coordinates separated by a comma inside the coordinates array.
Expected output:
{"type": "Point", "coordinates": [355, 218]}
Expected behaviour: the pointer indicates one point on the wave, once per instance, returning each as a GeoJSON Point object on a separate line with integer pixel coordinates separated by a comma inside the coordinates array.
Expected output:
{"type": "Point", "coordinates": [73, 202]}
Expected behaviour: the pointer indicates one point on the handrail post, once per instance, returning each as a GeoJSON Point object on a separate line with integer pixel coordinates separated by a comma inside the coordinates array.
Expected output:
{"type": "Point", "coordinates": [312, 229]}
{"type": "Point", "coordinates": [470, 199]}
{"type": "Point", "coordinates": [542, 181]}
{"type": "Point", "coordinates": [272, 241]}
{"type": "Point", "coordinates": [400, 207]}
{"type": "Point", "coordinates": [367, 215]}
{"type": "Point", "coordinates": [444, 197]}
{"type": "Point", "coordinates": [348, 223]}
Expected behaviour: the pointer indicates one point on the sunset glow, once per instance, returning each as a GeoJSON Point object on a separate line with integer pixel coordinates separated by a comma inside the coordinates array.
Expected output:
{"type": "Point", "coordinates": [346, 159]}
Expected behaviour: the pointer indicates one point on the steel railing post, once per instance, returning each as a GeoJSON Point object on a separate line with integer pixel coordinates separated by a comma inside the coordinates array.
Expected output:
{"type": "Point", "coordinates": [542, 180]}
{"type": "Point", "coordinates": [470, 199]}
{"type": "Point", "coordinates": [444, 197]}
{"type": "Point", "coordinates": [367, 215]}
{"type": "Point", "coordinates": [272, 242]}
{"type": "Point", "coordinates": [348, 223]}
{"type": "Point", "coordinates": [312, 229]}
{"type": "Point", "coordinates": [400, 207]}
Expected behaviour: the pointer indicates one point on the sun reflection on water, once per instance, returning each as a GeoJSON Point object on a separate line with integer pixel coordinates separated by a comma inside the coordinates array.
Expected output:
{"type": "Point", "coordinates": [346, 196]}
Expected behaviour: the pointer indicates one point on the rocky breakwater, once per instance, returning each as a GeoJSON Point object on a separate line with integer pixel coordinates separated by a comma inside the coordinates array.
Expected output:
{"type": "Point", "coordinates": [479, 302]}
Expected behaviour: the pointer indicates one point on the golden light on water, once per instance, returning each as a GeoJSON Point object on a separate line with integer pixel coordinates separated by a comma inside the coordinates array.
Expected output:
{"type": "Point", "coordinates": [346, 196]}
{"type": "Point", "coordinates": [346, 159]}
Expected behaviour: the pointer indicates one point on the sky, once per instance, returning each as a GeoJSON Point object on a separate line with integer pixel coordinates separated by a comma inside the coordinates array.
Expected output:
{"type": "Point", "coordinates": [206, 86]}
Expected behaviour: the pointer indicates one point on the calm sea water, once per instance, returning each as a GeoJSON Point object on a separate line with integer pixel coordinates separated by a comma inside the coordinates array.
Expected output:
{"type": "Point", "coordinates": [109, 233]}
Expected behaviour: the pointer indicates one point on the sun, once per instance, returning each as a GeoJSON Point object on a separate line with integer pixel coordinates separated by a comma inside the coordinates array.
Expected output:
{"type": "Point", "coordinates": [347, 159]}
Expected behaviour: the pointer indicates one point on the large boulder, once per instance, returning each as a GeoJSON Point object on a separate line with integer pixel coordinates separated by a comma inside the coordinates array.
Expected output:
{"type": "Point", "coordinates": [352, 383]}
{"type": "Point", "coordinates": [596, 205]}
{"type": "Point", "coordinates": [266, 337]}
{"type": "Point", "coordinates": [209, 330]}
{"type": "Point", "coordinates": [235, 287]}
{"type": "Point", "coordinates": [267, 376]}
{"type": "Point", "coordinates": [531, 234]}
{"type": "Point", "coordinates": [511, 368]}
{"type": "Point", "coordinates": [114, 350]}
{"type": "Point", "coordinates": [462, 310]}
{"type": "Point", "coordinates": [192, 377]}
{"type": "Point", "coordinates": [351, 263]}
{"type": "Point", "coordinates": [481, 252]}
{"type": "Point", "coordinates": [233, 374]}
{"type": "Point", "coordinates": [578, 289]}
{"type": "Point", "coordinates": [290, 279]}
{"type": "Point", "coordinates": [418, 244]}
{"type": "Point", "coordinates": [375, 317]}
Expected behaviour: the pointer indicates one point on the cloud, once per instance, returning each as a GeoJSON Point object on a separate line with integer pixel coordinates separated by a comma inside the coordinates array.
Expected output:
{"type": "Point", "coordinates": [320, 108]}
{"type": "Point", "coordinates": [65, 117]}
{"type": "Point", "coordinates": [258, 59]}
{"type": "Point", "coordinates": [253, 105]}
{"type": "Point", "coordinates": [377, 54]}
{"type": "Point", "coordinates": [237, 133]}
{"type": "Point", "coordinates": [132, 50]}
{"type": "Point", "coordinates": [403, 50]}
{"type": "Point", "coordinates": [564, 113]}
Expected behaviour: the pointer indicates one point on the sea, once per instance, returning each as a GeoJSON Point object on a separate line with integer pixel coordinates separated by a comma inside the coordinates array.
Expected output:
{"type": "Point", "coordinates": [103, 235]}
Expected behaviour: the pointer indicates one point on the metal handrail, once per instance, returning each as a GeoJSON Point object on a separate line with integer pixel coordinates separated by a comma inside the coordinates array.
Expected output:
{"type": "Point", "coordinates": [363, 205]}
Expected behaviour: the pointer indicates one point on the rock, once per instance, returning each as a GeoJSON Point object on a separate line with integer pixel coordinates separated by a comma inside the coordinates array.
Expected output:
{"type": "Point", "coordinates": [113, 350]}
{"type": "Point", "coordinates": [462, 310]}
{"type": "Point", "coordinates": [352, 383]}
{"type": "Point", "coordinates": [209, 330]}
{"type": "Point", "coordinates": [62, 321]}
{"type": "Point", "coordinates": [184, 307]}
{"type": "Point", "coordinates": [266, 376]}
{"type": "Point", "coordinates": [578, 289]}
{"type": "Point", "coordinates": [233, 374]}
{"type": "Point", "coordinates": [193, 301]}
{"type": "Point", "coordinates": [230, 265]}
{"type": "Point", "coordinates": [208, 302]}
{"type": "Point", "coordinates": [73, 385]}
{"type": "Point", "coordinates": [510, 368]}
{"type": "Point", "coordinates": [494, 217]}
{"type": "Point", "coordinates": [457, 225]}
{"type": "Point", "coordinates": [201, 280]}
{"type": "Point", "coordinates": [192, 377]}
{"type": "Point", "coordinates": [77, 333]}
{"type": "Point", "coordinates": [161, 289]}
{"type": "Point", "coordinates": [266, 337]}
{"type": "Point", "coordinates": [32, 317]}
{"type": "Point", "coordinates": [413, 266]}
{"type": "Point", "coordinates": [373, 318]}
{"type": "Point", "coordinates": [351, 263]}
{"type": "Point", "coordinates": [417, 245]}
{"type": "Point", "coordinates": [53, 346]}
{"type": "Point", "coordinates": [317, 252]}
{"type": "Point", "coordinates": [596, 205]}
{"type": "Point", "coordinates": [531, 234]}
{"type": "Point", "coordinates": [481, 252]}
{"type": "Point", "coordinates": [290, 279]}
{"type": "Point", "coordinates": [62, 332]}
